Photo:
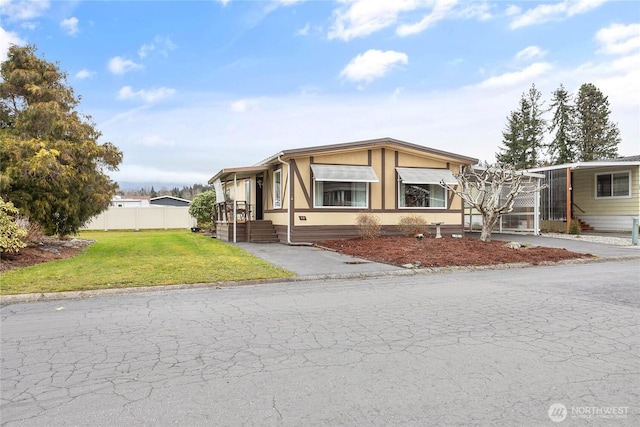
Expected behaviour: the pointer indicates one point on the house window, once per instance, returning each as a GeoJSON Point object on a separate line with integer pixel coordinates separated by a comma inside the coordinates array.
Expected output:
{"type": "Point", "coordinates": [247, 191]}
{"type": "Point", "coordinates": [419, 188]}
{"type": "Point", "coordinates": [277, 189]}
{"type": "Point", "coordinates": [341, 194]}
{"type": "Point", "coordinates": [615, 184]}
{"type": "Point", "coordinates": [422, 196]}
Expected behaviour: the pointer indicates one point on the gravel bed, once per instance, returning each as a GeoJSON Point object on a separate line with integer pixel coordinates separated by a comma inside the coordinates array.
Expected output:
{"type": "Point", "coordinates": [608, 240]}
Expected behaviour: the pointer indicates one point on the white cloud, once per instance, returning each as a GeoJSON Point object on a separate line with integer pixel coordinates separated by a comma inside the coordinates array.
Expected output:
{"type": "Point", "coordinates": [360, 18]}
{"type": "Point", "coordinates": [24, 10]}
{"type": "Point", "coordinates": [530, 52]}
{"type": "Point", "coordinates": [558, 11]}
{"type": "Point", "coordinates": [7, 38]}
{"type": "Point", "coordinates": [619, 39]}
{"type": "Point", "coordinates": [156, 141]}
{"type": "Point", "coordinates": [140, 173]}
{"type": "Point", "coordinates": [372, 64]}
{"type": "Point", "coordinates": [162, 45]}
{"type": "Point", "coordinates": [85, 74]}
{"type": "Point", "coordinates": [120, 65]}
{"type": "Point", "coordinates": [70, 25]}
{"type": "Point", "coordinates": [440, 10]}
{"type": "Point", "coordinates": [512, 10]}
{"type": "Point", "coordinates": [521, 77]}
{"type": "Point", "coordinates": [304, 31]}
{"type": "Point", "coordinates": [243, 105]}
{"type": "Point", "coordinates": [207, 126]}
{"type": "Point", "coordinates": [29, 25]}
{"type": "Point", "coordinates": [148, 96]}
{"type": "Point", "coordinates": [481, 11]}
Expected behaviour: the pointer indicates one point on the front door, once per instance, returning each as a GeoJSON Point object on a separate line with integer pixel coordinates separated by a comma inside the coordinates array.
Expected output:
{"type": "Point", "coordinates": [259, 197]}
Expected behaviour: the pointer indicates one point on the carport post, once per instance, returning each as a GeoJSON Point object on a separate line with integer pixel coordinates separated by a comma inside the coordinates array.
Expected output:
{"type": "Point", "coordinates": [634, 231]}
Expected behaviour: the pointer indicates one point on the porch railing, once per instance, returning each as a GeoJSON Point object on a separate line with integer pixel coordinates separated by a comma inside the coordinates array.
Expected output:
{"type": "Point", "coordinates": [224, 211]}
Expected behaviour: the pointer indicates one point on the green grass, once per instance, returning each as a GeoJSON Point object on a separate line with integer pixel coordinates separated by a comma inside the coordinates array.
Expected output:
{"type": "Point", "coordinates": [146, 258]}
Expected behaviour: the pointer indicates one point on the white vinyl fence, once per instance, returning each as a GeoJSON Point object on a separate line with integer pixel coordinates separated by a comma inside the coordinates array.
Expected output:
{"type": "Point", "coordinates": [160, 217]}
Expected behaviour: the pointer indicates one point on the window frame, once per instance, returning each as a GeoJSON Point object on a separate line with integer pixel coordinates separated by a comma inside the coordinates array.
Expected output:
{"type": "Point", "coordinates": [611, 174]}
{"type": "Point", "coordinates": [401, 197]}
{"type": "Point", "coordinates": [366, 196]}
{"type": "Point", "coordinates": [247, 191]}
{"type": "Point", "coordinates": [277, 189]}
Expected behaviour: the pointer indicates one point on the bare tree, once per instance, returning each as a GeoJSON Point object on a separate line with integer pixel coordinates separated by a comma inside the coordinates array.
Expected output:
{"type": "Point", "coordinates": [492, 190]}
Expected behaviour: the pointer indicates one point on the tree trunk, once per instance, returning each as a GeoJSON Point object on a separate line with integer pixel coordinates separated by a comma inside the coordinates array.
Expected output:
{"type": "Point", "coordinates": [488, 222]}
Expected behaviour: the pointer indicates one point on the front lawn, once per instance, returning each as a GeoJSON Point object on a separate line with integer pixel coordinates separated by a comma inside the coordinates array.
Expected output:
{"type": "Point", "coordinates": [146, 258]}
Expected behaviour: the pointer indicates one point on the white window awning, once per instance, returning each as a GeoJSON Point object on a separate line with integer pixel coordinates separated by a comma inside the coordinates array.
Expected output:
{"type": "Point", "coordinates": [425, 176]}
{"type": "Point", "coordinates": [344, 173]}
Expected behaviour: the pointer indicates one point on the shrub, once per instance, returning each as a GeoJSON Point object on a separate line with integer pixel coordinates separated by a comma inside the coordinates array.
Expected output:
{"type": "Point", "coordinates": [413, 224]}
{"type": "Point", "coordinates": [34, 231]}
{"type": "Point", "coordinates": [10, 232]}
{"type": "Point", "coordinates": [368, 225]}
{"type": "Point", "coordinates": [574, 228]}
{"type": "Point", "coordinates": [203, 208]}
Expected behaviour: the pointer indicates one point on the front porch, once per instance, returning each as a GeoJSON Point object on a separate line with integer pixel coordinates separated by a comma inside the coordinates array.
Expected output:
{"type": "Point", "coordinates": [236, 223]}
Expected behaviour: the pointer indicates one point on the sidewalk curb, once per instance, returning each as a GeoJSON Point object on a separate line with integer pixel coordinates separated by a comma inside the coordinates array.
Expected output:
{"type": "Point", "coordinates": [56, 296]}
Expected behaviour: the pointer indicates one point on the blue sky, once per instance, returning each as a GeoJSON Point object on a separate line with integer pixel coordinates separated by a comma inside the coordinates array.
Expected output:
{"type": "Point", "coordinates": [186, 88]}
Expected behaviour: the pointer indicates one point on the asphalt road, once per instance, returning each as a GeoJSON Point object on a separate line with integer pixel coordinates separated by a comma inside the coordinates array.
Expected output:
{"type": "Point", "coordinates": [466, 348]}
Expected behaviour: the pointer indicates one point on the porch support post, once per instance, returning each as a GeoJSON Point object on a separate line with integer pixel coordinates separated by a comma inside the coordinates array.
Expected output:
{"type": "Point", "coordinates": [536, 210]}
{"type": "Point", "coordinates": [568, 203]}
{"type": "Point", "coordinates": [235, 206]}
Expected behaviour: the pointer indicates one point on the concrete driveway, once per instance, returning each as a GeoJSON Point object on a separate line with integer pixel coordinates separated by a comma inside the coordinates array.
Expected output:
{"type": "Point", "coordinates": [527, 346]}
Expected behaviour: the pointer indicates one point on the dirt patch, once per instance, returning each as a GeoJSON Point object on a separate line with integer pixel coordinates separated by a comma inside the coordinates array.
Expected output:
{"type": "Point", "coordinates": [445, 252]}
{"type": "Point", "coordinates": [48, 249]}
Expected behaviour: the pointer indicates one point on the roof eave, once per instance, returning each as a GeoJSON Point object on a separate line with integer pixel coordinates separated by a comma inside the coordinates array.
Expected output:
{"type": "Point", "coordinates": [370, 143]}
{"type": "Point", "coordinates": [238, 173]}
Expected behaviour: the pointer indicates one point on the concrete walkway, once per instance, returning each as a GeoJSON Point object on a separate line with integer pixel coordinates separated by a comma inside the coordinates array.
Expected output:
{"type": "Point", "coordinates": [316, 262]}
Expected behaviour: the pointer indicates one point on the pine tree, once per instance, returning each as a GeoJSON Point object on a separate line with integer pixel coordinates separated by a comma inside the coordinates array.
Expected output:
{"type": "Point", "coordinates": [597, 138]}
{"type": "Point", "coordinates": [513, 152]}
{"type": "Point", "coordinates": [53, 169]}
{"type": "Point", "coordinates": [562, 148]}
{"type": "Point", "coordinates": [523, 138]}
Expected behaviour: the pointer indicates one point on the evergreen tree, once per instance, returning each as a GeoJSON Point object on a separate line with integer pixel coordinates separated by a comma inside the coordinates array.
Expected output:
{"type": "Point", "coordinates": [524, 136]}
{"type": "Point", "coordinates": [513, 152]}
{"type": "Point", "coordinates": [597, 138]}
{"type": "Point", "coordinates": [52, 167]}
{"type": "Point", "coordinates": [562, 148]}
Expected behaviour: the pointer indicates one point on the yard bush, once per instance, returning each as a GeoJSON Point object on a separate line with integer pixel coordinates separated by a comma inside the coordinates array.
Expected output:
{"type": "Point", "coordinates": [574, 228]}
{"type": "Point", "coordinates": [411, 225]}
{"type": "Point", "coordinates": [34, 231]}
{"type": "Point", "coordinates": [368, 225]}
{"type": "Point", "coordinates": [10, 232]}
{"type": "Point", "coordinates": [203, 209]}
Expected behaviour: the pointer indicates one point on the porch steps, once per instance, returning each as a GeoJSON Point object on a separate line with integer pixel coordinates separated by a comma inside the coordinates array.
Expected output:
{"type": "Point", "coordinates": [584, 226]}
{"type": "Point", "coordinates": [262, 232]}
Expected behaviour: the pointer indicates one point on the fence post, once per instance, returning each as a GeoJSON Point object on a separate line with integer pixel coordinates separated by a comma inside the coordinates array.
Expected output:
{"type": "Point", "coordinates": [634, 231]}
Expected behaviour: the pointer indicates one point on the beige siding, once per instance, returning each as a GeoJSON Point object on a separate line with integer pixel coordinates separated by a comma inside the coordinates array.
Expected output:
{"type": "Point", "coordinates": [584, 194]}
{"type": "Point", "coordinates": [346, 158]}
{"type": "Point", "coordinates": [383, 194]}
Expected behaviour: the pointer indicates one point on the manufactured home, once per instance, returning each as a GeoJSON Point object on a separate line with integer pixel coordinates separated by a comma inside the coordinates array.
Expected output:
{"type": "Point", "coordinates": [310, 194]}
{"type": "Point", "coordinates": [603, 195]}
